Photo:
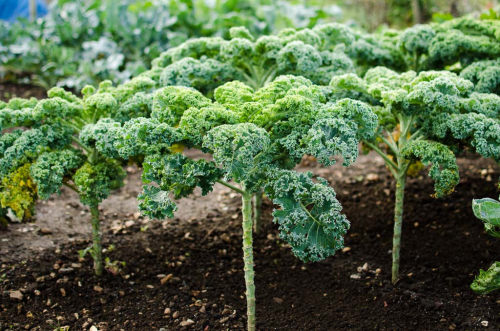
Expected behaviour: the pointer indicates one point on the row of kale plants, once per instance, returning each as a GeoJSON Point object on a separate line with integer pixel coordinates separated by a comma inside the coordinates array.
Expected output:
{"type": "Point", "coordinates": [416, 97]}
{"type": "Point", "coordinates": [85, 42]}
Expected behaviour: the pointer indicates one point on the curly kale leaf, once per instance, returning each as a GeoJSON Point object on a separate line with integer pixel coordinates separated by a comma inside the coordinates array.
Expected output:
{"type": "Point", "coordinates": [155, 203]}
{"type": "Point", "coordinates": [417, 39]}
{"type": "Point", "coordinates": [333, 34]}
{"type": "Point", "coordinates": [335, 130]}
{"type": "Point", "coordinates": [369, 53]}
{"type": "Point", "coordinates": [196, 122]}
{"type": "Point", "coordinates": [310, 218]}
{"type": "Point", "coordinates": [382, 81]}
{"type": "Point", "coordinates": [234, 95]}
{"type": "Point", "coordinates": [18, 112]}
{"type": "Point", "coordinates": [99, 105]}
{"type": "Point", "coordinates": [359, 113]}
{"type": "Point", "coordinates": [31, 142]}
{"type": "Point", "coordinates": [180, 175]}
{"type": "Point", "coordinates": [287, 85]}
{"type": "Point", "coordinates": [50, 169]}
{"type": "Point", "coordinates": [240, 149]}
{"type": "Point", "coordinates": [170, 103]}
{"type": "Point", "coordinates": [297, 58]}
{"type": "Point", "coordinates": [140, 84]}
{"type": "Point", "coordinates": [454, 46]}
{"type": "Point", "coordinates": [103, 136]}
{"type": "Point", "coordinates": [137, 137]}
{"type": "Point", "coordinates": [57, 92]}
{"type": "Point", "coordinates": [349, 86]}
{"type": "Point", "coordinates": [138, 105]}
{"type": "Point", "coordinates": [18, 192]}
{"type": "Point", "coordinates": [481, 132]}
{"type": "Point", "coordinates": [56, 108]}
{"type": "Point", "coordinates": [487, 280]}
{"type": "Point", "coordinates": [485, 75]}
{"type": "Point", "coordinates": [144, 136]}
{"type": "Point", "coordinates": [7, 139]}
{"type": "Point", "coordinates": [240, 32]}
{"type": "Point", "coordinates": [444, 169]}
{"type": "Point", "coordinates": [329, 137]}
{"type": "Point", "coordinates": [487, 104]}
{"type": "Point", "coordinates": [95, 181]}
{"type": "Point", "coordinates": [203, 75]}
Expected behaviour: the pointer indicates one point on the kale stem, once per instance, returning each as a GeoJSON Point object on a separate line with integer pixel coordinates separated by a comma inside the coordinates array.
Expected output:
{"type": "Point", "coordinates": [96, 240]}
{"type": "Point", "coordinates": [403, 165]}
{"type": "Point", "coordinates": [232, 187]}
{"type": "Point", "coordinates": [398, 222]}
{"type": "Point", "coordinates": [257, 209]}
{"type": "Point", "coordinates": [81, 145]}
{"type": "Point", "coordinates": [71, 187]}
{"type": "Point", "coordinates": [392, 146]}
{"type": "Point", "coordinates": [248, 258]}
{"type": "Point", "coordinates": [393, 167]}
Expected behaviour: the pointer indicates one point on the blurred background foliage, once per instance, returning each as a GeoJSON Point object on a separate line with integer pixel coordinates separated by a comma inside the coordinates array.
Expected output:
{"type": "Point", "coordinates": [87, 41]}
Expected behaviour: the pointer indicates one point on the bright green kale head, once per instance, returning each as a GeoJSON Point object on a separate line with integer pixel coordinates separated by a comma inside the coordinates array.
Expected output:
{"type": "Point", "coordinates": [255, 138]}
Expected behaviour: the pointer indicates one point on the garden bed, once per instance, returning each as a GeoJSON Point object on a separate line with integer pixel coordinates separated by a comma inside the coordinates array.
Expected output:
{"type": "Point", "coordinates": [186, 273]}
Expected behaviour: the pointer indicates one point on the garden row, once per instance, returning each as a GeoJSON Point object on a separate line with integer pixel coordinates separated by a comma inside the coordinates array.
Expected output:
{"type": "Point", "coordinates": [257, 106]}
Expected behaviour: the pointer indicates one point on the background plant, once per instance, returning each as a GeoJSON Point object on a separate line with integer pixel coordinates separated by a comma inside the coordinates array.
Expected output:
{"type": "Point", "coordinates": [85, 42]}
{"type": "Point", "coordinates": [488, 211]}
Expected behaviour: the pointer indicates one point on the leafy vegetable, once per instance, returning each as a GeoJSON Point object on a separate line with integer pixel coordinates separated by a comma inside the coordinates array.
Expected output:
{"type": "Point", "coordinates": [46, 151]}
{"type": "Point", "coordinates": [317, 54]}
{"type": "Point", "coordinates": [255, 137]}
{"type": "Point", "coordinates": [425, 117]}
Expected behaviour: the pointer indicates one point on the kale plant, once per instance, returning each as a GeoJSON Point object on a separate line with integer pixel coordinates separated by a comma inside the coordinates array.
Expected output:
{"type": "Point", "coordinates": [459, 41]}
{"type": "Point", "coordinates": [255, 138]}
{"type": "Point", "coordinates": [41, 150]}
{"type": "Point", "coordinates": [317, 54]}
{"type": "Point", "coordinates": [424, 118]}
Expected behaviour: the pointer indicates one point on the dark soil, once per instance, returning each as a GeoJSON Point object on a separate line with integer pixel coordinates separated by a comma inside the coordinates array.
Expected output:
{"type": "Point", "coordinates": [186, 273]}
{"type": "Point", "coordinates": [11, 90]}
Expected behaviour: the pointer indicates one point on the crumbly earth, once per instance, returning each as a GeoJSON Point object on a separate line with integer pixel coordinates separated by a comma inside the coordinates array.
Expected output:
{"type": "Point", "coordinates": [186, 273]}
{"type": "Point", "coordinates": [10, 90]}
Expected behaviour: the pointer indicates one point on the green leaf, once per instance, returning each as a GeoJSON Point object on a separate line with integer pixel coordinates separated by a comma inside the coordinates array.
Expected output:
{"type": "Point", "coordinates": [50, 169]}
{"type": "Point", "coordinates": [96, 181]}
{"type": "Point", "coordinates": [155, 203]}
{"type": "Point", "coordinates": [444, 169]}
{"type": "Point", "coordinates": [310, 218]}
{"type": "Point", "coordinates": [487, 280]}
{"type": "Point", "coordinates": [180, 175]}
{"type": "Point", "coordinates": [487, 210]}
{"type": "Point", "coordinates": [240, 149]}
